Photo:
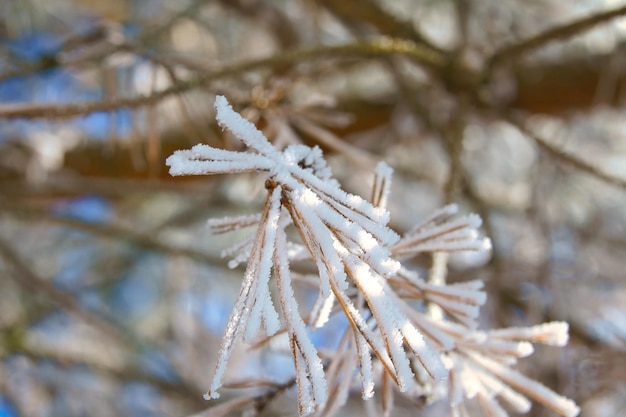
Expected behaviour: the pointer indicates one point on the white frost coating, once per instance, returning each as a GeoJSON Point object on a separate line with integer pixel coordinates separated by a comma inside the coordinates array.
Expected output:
{"type": "Point", "coordinates": [295, 325]}
{"type": "Point", "coordinates": [325, 271]}
{"type": "Point", "coordinates": [263, 307]}
{"type": "Point", "coordinates": [306, 405]}
{"type": "Point", "coordinates": [429, 358]}
{"type": "Point", "coordinates": [474, 221]}
{"type": "Point", "coordinates": [309, 159]}
{"type": "Point", "coordinates": [357, 319]}
{"type": "Point", "coordinates": [441, 245]}
{"type": "Point", "coordinates": [209, 153]}
{"type": "Point", "coordinates": [377, 255]}
{"type": "Point", "coordinates": [325, 267]}
{"type": "Point", "coordinates": [426, 327]}
{"type": "Point", "coordinates": [455, 235]}
{"type": "Point", "coordinates": [335, 220]}
{"type": "Point", "coordinates": [506, 351]}
{"type": "Point", "coordinates": [309, 198]}
{"type": "Point", "coordinates": [229, 224]}
{"type": "Point", "coordinates": [377, 228]}
{"type": "Point", "coordinates": [531, 388]}
{"type": "Point", "coordinates": [513, 349]}
{"type": "Point", "coordinates": [455, 388]}
{"type": "Point", "coordinates": [186, 162]}
{"type": "Point", "coordinates": [319, 237]}
{"type": "Point", "coordinates": [459, 310]}
{"type": "Point", "coordinates": [464, 292]}
{"type": "Point", "coordinates": [473, 285]}
{"type": "Point", "coordinates": [330, 191]}
{"type": "Point", "coordinates": [489, 384]}
{"type": "Point", "coordinates": [386, 316]}
{"type": "Point", "coordinates": [270, 317]}
{"type": "Point", "coordinates": [519, 403]}
{"type": "Point", "coordinates": [382, 184]}
{"type": "Point", "coordinates": [367, 241]}
{"type": "Point", "coordinates": [514, 400]}
{"type": "Point", "coordinates": [490, 406]}
{"type": "Point", "coordinates": [348, 237]}
{"type": "Point", "coordinates": [393, 325]}
{"type": "Point", "coordinates": [524, 349]}
{"type": "Point", "coordinates": [297, 252]}
{"type": "Point", "coordinates": [365, 361]}
{"type": "Point", "coordinates": [439, 215]}
{"type": "Point", "coordinates": [554, 333]}
{"type": "Point", "coordinates": [470, 381]}
{"type": "Point", "coordinates": [236, 322]}
{"type": "Point", "coordinates": [242, 128]}
{"type": "Point", "coordinates": [180, 166]}
{"type": "Point", "coordinates": [242, 256]}
{"type": "Point", "coordinates": [322, 309]}
{"type": "Point", "coordinates": [341, 394]}
{"type": "Point", "coordinates": [243, 247]}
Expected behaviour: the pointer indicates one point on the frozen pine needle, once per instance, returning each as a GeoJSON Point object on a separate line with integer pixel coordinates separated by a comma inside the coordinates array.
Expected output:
{"type": "Point", "coordinates": [392, 340]}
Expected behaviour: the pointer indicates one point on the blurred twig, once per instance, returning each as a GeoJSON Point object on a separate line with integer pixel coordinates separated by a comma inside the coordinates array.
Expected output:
{"type": "Point", "coordinates": [24, 276]}
{"type": "Point", "coordinates": [554, 34]}
{"type": "Point", "coordinates": [126, 373]}
{"type": "Point", "coordinates": [59, 186]}
{"type": "Point", "coordinates": [110, 231]}
{"type": "Point", "coordinates": [276, 19]}
{"type": "Point", "coordinates": [571, 159]}
{"type": "Point", "coordinates": [379, 47]}
{"type": "Point", "coordinates": [454, 137]}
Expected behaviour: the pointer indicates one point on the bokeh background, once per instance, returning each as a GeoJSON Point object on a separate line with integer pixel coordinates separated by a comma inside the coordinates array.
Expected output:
{"type": "Point", "coordinates": [113, 295]}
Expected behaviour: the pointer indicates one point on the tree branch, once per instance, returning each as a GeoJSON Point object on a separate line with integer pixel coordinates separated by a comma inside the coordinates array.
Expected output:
{"type": "Point", "coordinates": [379, 47]}
{"type": "Point", "coordinates": [24, 276]}
{"type": "Point", "coordinates": [110, 231]}
{"type": "Point", "coordinates": [557, 33]}
{"type": "Point", "coordinates": [387, 24]}
{"type": "Point", "coordinates": [571, 159]}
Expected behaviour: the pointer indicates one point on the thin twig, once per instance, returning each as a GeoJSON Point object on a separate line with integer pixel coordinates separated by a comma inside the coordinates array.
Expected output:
{"type": "Point", "coordinates": [371, 12]}
{"type": "Point", "coordinates": [379, 47]}
{"type": "Point", "coordinates": [126, 373]}
{"type": "Point", "coordinates": [24, 276]}
{"type": "Point", "coordinates": [554, 34]}
{"type": "Point", "coordinates": [262, 401]}
{"type": "Point", "coordinates": [571, 159]}
{"type": "Point", "coordinates": [50, 61]}
{"type": "Point", "coordinates": [328, 139]}
{"type": "Point", "coordinates": [99, 34]}
{"type": "Point", "coordinates": [110, 231]}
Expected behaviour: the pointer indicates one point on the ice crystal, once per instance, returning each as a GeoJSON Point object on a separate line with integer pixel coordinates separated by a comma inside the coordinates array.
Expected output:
{"type": "Point", "coordinates": [392, 339]}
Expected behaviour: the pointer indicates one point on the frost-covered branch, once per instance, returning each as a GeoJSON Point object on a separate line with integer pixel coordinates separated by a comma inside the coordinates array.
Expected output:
{"type": "Point", "coordinates": [391, 338]}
